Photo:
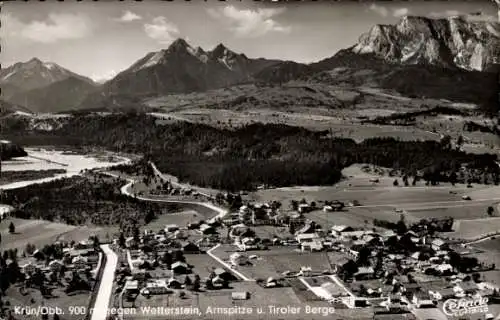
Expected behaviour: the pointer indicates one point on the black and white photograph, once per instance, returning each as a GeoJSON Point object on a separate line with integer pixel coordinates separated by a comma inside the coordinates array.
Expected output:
{"type": "Point", "coordinates": [258, 160]}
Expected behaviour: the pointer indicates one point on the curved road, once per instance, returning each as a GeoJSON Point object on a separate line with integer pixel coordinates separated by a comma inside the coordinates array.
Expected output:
{"type": "Point", "coordinates": [101, 305]}
{"type": "Point", "coordinates": [105, 288]}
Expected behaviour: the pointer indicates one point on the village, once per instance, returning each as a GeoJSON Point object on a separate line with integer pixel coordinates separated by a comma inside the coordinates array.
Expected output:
{"type": "Point", "coordinates": [393, 271]}
{"type": "Point", "coordinates": [227, 254]}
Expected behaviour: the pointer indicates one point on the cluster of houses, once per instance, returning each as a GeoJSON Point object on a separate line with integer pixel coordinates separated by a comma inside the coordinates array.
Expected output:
{"type": "Point", "coordinates": [148, 272]}
{"type": "Point", "coordinates": [173, 236]}
{"type": "Point", "coordinates": [430, 261]}
{"type": "Point", "coordinates": [80, 257]}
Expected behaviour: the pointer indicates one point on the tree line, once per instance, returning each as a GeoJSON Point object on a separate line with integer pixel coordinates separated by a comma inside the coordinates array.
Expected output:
{"type": "Point", "coordinates": [256, 154]}
{"type": "Point", "coordinates": [82, 201]}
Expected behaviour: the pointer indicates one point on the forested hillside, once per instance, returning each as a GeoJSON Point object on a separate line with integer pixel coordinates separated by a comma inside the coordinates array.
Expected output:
{"type": "Point", "coordinates": [256, 154]}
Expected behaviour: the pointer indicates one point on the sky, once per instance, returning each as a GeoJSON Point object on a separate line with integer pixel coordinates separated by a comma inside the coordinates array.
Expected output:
{"type": "Point", "coordinates": [100, 39]}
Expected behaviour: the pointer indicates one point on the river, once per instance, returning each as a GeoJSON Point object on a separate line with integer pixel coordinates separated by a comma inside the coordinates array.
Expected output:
{"type": "Point", "coordinates": [40, 159]}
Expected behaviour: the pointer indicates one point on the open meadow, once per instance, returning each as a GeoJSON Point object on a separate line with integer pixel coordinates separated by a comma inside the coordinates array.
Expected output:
{"type": "Point", "coordinates": [42, 232]}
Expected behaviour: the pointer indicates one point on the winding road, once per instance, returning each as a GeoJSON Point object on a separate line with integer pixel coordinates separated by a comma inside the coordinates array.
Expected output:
{"type": "Point", "coordinates": [101, 306]}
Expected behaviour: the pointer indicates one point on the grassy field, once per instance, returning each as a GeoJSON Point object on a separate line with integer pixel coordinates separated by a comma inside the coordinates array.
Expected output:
{"type": "Point", "coordinates": [459, 212]}
{"type": "Point", "coordinates": [60, 299]}
{"type": "Point", "coordinates": [276, 260]}
{"type": "Point", "coordinates": [181, 219]}
{"type": "Point", "coordinates": [40, 232]}
{"type": "Point", "coordinates": [473, 229]}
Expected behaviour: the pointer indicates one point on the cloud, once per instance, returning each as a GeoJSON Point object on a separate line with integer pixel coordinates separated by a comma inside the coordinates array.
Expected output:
{"type": "Point", "coordinates": [470, 16]}
{"type": "Point", "coordinates": [444, 14]}
{"type": "Point", "coordinates": [103, 77]}
{"type": "Point", "coordinates": [161, 30]}
{"type": "Point", "coordinates": [56, 27]}
{"type": "Point", "coordinates": [379, 10]}
{"type": "Point", "coordinates": [401, 12]}
{"type": "Point", "coordinates": [129, 16]}
{"type": "Point", "coordinates": [248, 22]}
{"type": "Point", "coordinates": [384, 12]}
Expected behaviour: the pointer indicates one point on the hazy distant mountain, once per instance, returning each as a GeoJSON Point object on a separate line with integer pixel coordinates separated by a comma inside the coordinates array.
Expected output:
{"type": "Point", "coordinates": [58, 96]}
{"type": "Point", "coordinates": [43, 86]}
{"type": "Point", "coordinates": [35, 74]}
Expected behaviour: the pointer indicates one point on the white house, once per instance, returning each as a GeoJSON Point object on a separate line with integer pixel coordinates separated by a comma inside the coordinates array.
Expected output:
{"type": "Point", "coordinates": [306, 237]}
{"type": "Point", "coordinates": [28, 268]}
{"type": "Point", "coordinates": [421, 299]}
{"type": "Point", "coordinates": [314, 245]}
{"type": "Point", "coordinates": [339, 229]}
{"type": "Point", "coordinates": [304, 208]}
{"type": "Point", "coordinates": [130, 242]}
{"type": "Point", "coordinates": [442, 268]}
{"type": "Point", "coordinates": [171, 228]}
{"type": "Point", "coordinates": [55, 265]}
{"type": "Point", "coordinates": [438, 244]}
{"type": "Point", "coordinates": [238, 259]}
{"type": "Point", "coordinates": [79, 262]}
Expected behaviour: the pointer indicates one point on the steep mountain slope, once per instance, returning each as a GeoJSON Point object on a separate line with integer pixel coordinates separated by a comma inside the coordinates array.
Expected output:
{"type": "Point", "coordinates": [58, 96]}
{"type": "Point", "coordinates": [348, 68]}
{"type": "Point", "coordinates": [9, 108]}
{"type": "Point", "coordinates": [179, 69]}
{"type": "Point", "coordinates": [450, 42]}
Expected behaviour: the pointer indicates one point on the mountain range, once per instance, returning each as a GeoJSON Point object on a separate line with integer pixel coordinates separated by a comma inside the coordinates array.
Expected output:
{"type": "Point", "coordinates": [417, 57]}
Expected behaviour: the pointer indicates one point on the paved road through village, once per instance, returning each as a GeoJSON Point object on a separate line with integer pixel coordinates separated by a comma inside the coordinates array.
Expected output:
{"type": "Point", "coordinates": [101, 306]}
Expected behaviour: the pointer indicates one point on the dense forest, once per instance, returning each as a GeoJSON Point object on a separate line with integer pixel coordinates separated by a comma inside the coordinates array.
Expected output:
{"type": "Point", "coordinates": [82, 201]}
{"type": "Point", "coordinates": [410, 118]}
{"type": "Point", "coordinates": [255, 154]}
{"type": "Point", "coordinates": [13, 176]}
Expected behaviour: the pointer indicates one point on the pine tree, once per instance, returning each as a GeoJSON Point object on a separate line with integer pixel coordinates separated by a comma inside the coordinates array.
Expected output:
{"type": "Point", "coordinates": [12, 228]}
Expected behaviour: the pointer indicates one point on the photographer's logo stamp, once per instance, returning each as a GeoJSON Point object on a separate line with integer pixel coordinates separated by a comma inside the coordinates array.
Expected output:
{"type": "Point", "coordinates": [465, 306]}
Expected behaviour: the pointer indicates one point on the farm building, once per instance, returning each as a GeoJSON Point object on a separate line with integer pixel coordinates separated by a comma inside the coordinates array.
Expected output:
{"type": "Point", "coordinates": [421, 299]}
{"type": "Point", "coordinates": [173, 283]}
{"type": "Point", "coordinates": [224, 274]}
{"type": "Point", "coordinates": [180, 267]}
{"type": "Point", "coordinates": [364, 273]}
{"type": "Point", "coordinates": [171, 228]}
{"type": "Point", "coordinates": [218, 282]}
{"type": "Point", "coordinates": [241, 295]}
{"type": "Point", "coordinates": [438, 244]}
{"type": "Point", "coordinates": [28, 268]}
{"type": "Point", "coordinates": [157, 286]}
{"type": "Point", "coordinates": [314, 245]}
{"type": "Point", "coordinates": [339, 229]}
{"type": "Point", "coordinates": [79, 262]}
{"type": "Point", "coordinates": [55, 265]}
{"type": "Point", "coordinates": [207, 229]}
{"type": "Point", "coordinates": [179, 234]}
{"type": "Point", "coordinates": [131, 286]}
{"type": "Point", "coordinates": [307, 228]}
{"type": "Point", "coordinates": [130, 242]}
{"type": "Point", "coordinates": [306, 237]}
{"type": "Point", "coordinates": [190, 247]}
